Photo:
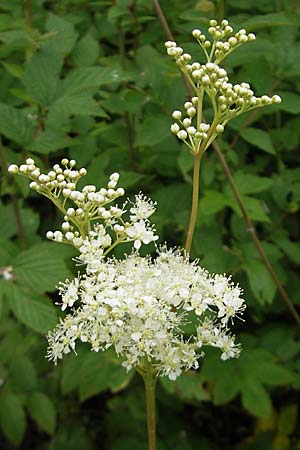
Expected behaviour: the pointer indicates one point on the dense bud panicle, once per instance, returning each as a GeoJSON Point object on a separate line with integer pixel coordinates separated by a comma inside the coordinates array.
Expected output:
{"type": "Point", "coordinates": [82, 207]}
{"type": "Point", "coordinates": [228, 100]}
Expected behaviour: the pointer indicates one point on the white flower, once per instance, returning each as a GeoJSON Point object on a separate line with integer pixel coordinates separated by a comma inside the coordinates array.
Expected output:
{"type": "Point", "coordinates": [139, 306]}
{"type": "Point", "coordinates": [140, 232]}
{"type": "Point", "coordinates": [142, 209]}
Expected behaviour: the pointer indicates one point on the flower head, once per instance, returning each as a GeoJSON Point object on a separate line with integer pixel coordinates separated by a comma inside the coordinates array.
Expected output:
{"type": "Point", "coordinates": [140, 306]}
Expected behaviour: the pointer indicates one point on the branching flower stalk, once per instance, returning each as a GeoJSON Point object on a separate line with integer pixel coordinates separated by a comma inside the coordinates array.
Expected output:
{"type": "Point", "coordinates": [143, 306]}
{"type": "Point", "coordinates": [227, 100]}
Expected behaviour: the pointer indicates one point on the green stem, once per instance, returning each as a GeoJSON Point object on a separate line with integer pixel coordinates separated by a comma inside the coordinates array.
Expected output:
{"type": "Point", "coordinates": [150, 380]}
{"type": "Point", "coordinates": [195, 201]}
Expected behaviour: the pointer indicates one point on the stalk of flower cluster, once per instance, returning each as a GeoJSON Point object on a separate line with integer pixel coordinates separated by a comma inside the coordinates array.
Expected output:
{"type": "Point", "coordinates": [195, 202]}
{"type": "Point", "coordinates": [150, 379]}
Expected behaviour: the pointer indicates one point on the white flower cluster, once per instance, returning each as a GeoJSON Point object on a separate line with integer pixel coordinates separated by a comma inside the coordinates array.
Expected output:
{"type": "Point", "coordinates": [228, 100]}
{"type": "Point", "coordinates": [81, 207]}
{"type": "Point", "coordinates": [140, 307]}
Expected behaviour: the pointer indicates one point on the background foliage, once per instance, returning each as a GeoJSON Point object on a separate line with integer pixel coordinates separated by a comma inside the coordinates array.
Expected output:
{"type": "Point", "coordinates": [90, 80]}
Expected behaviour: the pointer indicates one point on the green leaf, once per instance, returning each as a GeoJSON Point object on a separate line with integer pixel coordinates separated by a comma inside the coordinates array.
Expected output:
{"type": "Point", "coordinates": [101, 371]}
{"type": "Point", "coordinates": [273, 374]}
{"type": "Point", "coordinates": [65, 34]}
{"type": "Point", "coordinates": [42, 410]}
{"type": "Point", "coordinates": [267, 21]}
{"type": "Point", "coordinates": [35, 311]}
{"type": "Point", "coordinates": [50, 141]}
{"type": "Point", "coordinates": [14, 69]}
{"type": "Point", "coordinates": [228, 385]}
{"type": "Point", "coordinates": [251, 184]}
{"type": "Point", "coordinates": [290, 102]}
{"type": "Point", "coordinates": [258, 138]}
{"type": "Point", "coordinates": [256, 399]}
{"type": "Point", "coordinates": [153, 130]}
{"type": "Point", "coordinates": [253, 206]}
{"type": "Point", "coordinates": [80, 103]}
{"type": "Point", "coordinates": [16, 37]}
{"type": "Point", "coordinates": [40, 267]}
{"type": "Point", "coordinates": [8, 226]}
{"type": "Point", "coordinates": [213, 202]}
{"type": "Point", "coordinates": [8, 250]}
{"type": "Point", "coordinates": [87, 78]}
{"type": "Point", "coordinates": [129, 179]}
{"type": "Point", "coordinates": [70, 379]}
{"type": "Point", "coordinates": [15, 125]}
{"type": "Point", "coordinates": [290, 248]}
{"type": "Point", "coordinates": [185, 161]}
{"type": "Point", "coordinates": [261, 283]}
{"type": "Point", "coordinates": [86, 51]}
{"type": "Point", "coordinates": [12, 417]}
{"type": "Point", "coordinates": [23, 374]}
{"type": "Point", "coordinates": [287, 419]}
{"type": "Point", "coordinates": [188, 387]}
{"type": "Point", "coordinates": [41, 77]}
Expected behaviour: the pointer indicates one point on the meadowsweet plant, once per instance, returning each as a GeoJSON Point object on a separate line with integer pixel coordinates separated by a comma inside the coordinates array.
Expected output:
{"type": "Point", "coordinates": [143, 306]}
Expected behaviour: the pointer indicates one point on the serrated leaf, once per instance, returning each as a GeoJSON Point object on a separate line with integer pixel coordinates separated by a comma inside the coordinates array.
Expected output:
{"type": "Point", "coordinates": [273, 374]}
{"type": "Point", "coordinates": [80, 103]}
{"type": "Point", "coordinates": [41, 78]}
{"type": "Point", "coordinates": [100, 372]}
{"type": "Point", "coordinates": [70, 379]}
{"type": "Point", "coordinates": [254, 208]}
{"type": "Point", "coordinates": [87, 78]}
{"type": "Point", "coordinates": [267, 21]}
{"type": "Point", "coordinates": [153, 130]}
{"type": "Point", "coordinates": [8, 251]}
{"type": "Point", "coordinates": [15, 125]}
{"type": "Point", "coordinates": [17, 37]}
{"type": "Point", "coordinates": [86, 51]}
{"type": "Point", "coordinates": [12, 417]}
{"type": "Point", "coordinates": [259, 138]}
{"type": "Point", "coordinates": [35, 311]}
{"type": "Point", "coordinates": [213, 202]}
{"type": "Point", "coordinates": [188, 387]}
{"type": "Point", "coordinates": [23, 374]}
{"type": "Point", "coordinates": [8, 226]}
{"type": "Point", "coordinates": [65, 34]}
{"type": "Point", "coordinates": [251, 184]}
{"type": "Point", "coordinates": [256, 399]}
{"type": "Point", "coordinates": [40, 268]}
{"type": "Point", "coordinates": [129, 179]}
{"type": "Point", "coordinates": [14, 69]}
{"type": "Point", "coordinates": [261, 283]}
{"type": "Point", "coordinates": [228, 385]}
{"type": "Point", "coordinates": [290, 248]}
{"type": "Point", "coordinates": [290, 102]}
{"type": "Point", "coordinates": [50, 141]}
{"type": "Point", "coordinates": [42, 411]}
{"type": "Point", "coordinates": [12, 345]}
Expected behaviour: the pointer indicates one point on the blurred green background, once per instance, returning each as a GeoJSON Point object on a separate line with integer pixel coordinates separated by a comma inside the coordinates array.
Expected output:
{"type": "Point", "coordinates": [90, 80]}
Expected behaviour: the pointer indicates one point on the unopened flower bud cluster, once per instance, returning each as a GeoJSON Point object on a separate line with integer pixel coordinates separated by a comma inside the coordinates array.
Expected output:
{"type": "Point", "coordinates": [81, 207]}
{"type": "Point", "coordinates": [228, 100]}
{"type": "Point", "coordinates": [140, 306]}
